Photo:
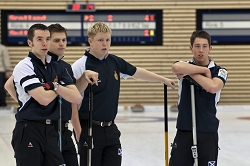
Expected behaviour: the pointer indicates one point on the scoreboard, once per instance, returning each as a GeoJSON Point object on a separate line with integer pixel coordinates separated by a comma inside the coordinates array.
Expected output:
{"type": "Point", "coordinates": [226, 26]}
{"type": "Point", "coordinates": [129, 27]}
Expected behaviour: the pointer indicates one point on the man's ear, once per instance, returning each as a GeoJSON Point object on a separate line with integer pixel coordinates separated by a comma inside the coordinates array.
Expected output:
{"type": "Point", "coordinates": [29, 43]}
{"type": "Point", "coordinates": [90, 41]}
{"type": "Point", "coordinates": [191, 48]}
{"type": "Point", "coordinates": [210, 48]}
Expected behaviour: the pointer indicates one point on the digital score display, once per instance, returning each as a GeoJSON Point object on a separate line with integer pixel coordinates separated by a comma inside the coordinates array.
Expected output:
{"type": "Point", "coordinates": [80, 7]}
{"type": "Point", "coordinates": [130, 27]}
{"type": "Point", "coordinates": [226, 26]}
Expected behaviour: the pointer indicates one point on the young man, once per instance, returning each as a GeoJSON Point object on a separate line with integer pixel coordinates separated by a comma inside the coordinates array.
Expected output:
{"type": "Point", "coordinates": [4, 73]}
{"type": "Point", "coordinates": [38, 82]}
{"type": "Point", "coordinates": [211, 79]}
{"type": "Point", "coordinates": [58, 43]}
{"type": "Point", "coordinates": [57, 47]}
{"type": "Point", "coordinates": [56, 51]}
{"type": "Point", "coordinates": [107, 149]}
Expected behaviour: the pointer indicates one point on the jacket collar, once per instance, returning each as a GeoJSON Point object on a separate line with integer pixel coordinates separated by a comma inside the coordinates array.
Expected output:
{"type": "Point", "coordinates": [48, 59]}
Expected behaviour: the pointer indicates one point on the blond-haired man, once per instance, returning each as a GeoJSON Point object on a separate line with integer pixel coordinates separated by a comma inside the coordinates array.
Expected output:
{"type": "Point", "coordinates": [107, 149]}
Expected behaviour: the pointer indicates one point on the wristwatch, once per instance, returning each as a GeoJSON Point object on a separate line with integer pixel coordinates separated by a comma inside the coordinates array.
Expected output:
{"type": "Point", "coordinates": [56, 85]}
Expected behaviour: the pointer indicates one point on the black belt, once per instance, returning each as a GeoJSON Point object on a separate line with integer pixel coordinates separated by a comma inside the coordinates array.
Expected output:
{"type": "Point", "coordinates": [51, 122]}
{"type": "Point", "coordinates": [103, 123]}
{"type": "Point", "coordinates": [46, 121]}
{"type": "Point", "coordinates": [64, 124]}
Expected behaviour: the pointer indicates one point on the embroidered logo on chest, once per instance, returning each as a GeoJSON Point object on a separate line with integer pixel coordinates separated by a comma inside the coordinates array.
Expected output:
{"type": "Point", "coordinates": [56, 79]}
{"type": "Point", "coordinates": [115, 75]}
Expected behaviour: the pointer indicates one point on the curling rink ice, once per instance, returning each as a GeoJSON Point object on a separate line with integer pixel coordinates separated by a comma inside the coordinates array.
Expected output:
{"type": "Point", "coordinates": [143, 136]}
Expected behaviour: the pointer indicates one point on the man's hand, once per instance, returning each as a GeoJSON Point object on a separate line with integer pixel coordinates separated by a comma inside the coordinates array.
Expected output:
{"type": "Point", "coordinates": [208, 73]}
{"type": "Point", "coordinates": [91, 77]}
{"type": "Point", "coordinates": [169, 82]}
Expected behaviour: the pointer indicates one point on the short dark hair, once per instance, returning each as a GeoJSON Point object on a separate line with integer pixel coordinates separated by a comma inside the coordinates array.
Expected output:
{"type": "Point", "coordinates": [53, 28]}
{"type": "Point", "coordinates": [200, 34]}
{"type": "Point", "coordinates": [35, 27]}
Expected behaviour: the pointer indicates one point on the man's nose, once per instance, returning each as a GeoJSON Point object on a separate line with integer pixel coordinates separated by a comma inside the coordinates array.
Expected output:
{"type": "Point", "coordinates": [201, 49]}
{"type": "Point", "coordinates": [45, 42]}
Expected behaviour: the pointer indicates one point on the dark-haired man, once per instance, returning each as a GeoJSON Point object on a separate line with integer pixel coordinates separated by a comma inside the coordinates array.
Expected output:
{"type": "Point", "coordinates": [210, 79]}
{"type": "Point", "coordinates": [38, 81]}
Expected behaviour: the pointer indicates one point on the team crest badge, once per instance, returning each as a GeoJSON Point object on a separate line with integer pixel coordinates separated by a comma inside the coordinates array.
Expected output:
{"type": "Point", "coordinates": [115, 75]}
{"type": "Point", "coordinates": [56, 79]}
{"type": "Point", "coordinates": [223, 73]}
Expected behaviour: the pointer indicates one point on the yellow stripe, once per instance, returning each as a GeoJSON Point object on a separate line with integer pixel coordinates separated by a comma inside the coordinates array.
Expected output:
{"type": "Point", "coordinates": [166, 148]}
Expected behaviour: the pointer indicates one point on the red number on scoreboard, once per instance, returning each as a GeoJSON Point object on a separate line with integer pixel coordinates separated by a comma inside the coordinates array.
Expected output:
{"type": "Point", "coordinates": [91, 18]}
{"type": "Point", "coordinates": [151, 17]}
{"type": "Point", "coordinates": [90, 7]}
{"type": "Point", "coordinates": [146, 32]}
{"type": "Point", "coordinates": [110, 18]}
{"type": "Point", "coordinates": [146, 18]}
{"type": "Point", "coordinates": [76, 7]}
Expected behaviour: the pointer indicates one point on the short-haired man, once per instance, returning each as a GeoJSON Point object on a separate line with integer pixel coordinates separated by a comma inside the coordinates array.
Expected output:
{"type": "Point", "coordinates": [106, 136]}
{"type": "Point", "coordinates": [210, 79]}
{"type": "Point", "coordinates": [38, 82]}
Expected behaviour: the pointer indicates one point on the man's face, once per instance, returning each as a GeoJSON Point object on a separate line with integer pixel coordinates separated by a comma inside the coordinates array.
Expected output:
{"type": "Point", "coordinates": [40, 43]}
{"type": "Point", "coordinates": [100, 44]}
{"type": "Point", "coordinates": [58, 43]}
{"type": "Point", "coordinates": [200, 50]}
